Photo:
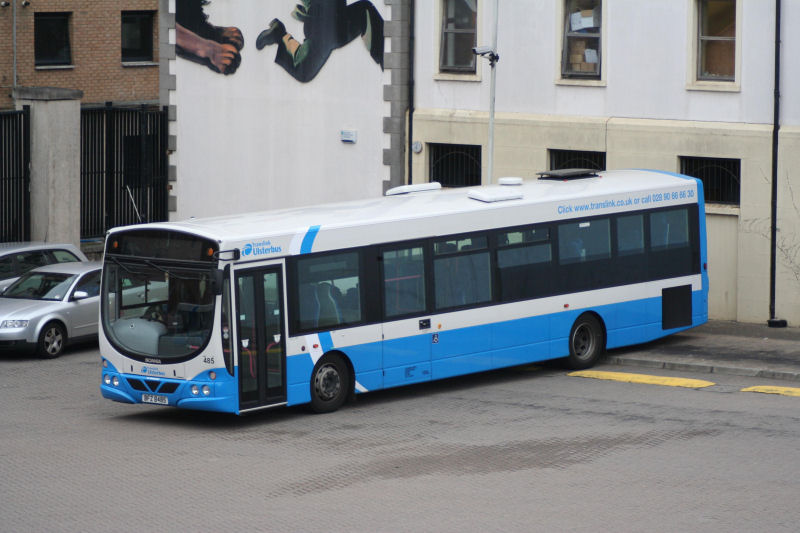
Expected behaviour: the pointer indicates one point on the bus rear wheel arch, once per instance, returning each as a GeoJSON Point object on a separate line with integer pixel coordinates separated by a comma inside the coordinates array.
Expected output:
{"type": "Point", "coordinates": [587, 341]}
{"type": "Point", "coordinates": [331, 383]}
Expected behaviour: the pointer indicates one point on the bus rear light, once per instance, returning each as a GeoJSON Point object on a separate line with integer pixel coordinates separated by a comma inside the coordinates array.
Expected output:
{"type": "Point", "coordinates": [566, 306]}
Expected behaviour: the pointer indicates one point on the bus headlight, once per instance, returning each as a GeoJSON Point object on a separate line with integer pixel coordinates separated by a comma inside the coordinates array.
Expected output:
{"type": "Point", "coordinates": [195, 390]}
{"type": "Point", "coordinates": [115, 381]}
{"type": "Point", "coordinates": [206, 390]}
{"type": "Point", "coordinates": [106, 379]}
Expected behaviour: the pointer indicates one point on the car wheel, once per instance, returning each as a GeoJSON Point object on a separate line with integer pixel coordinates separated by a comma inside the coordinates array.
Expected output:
{"type": "Point", "coordinates": [330, 384]}
{"type": "Point", "coordinates": [52, 340]}
{"type": "Point", "coordinates": [586, 342]}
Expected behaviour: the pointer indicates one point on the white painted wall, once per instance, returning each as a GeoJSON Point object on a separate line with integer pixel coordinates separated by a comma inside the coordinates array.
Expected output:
{"type": "Point", "coordinates": [259, 139]}
{"type": "Point", "coordinates": [647, 50]}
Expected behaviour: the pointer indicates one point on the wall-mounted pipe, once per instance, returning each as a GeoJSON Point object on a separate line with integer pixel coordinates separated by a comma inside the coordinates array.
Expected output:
{"type": "Point", "coordinates": [773, 321]}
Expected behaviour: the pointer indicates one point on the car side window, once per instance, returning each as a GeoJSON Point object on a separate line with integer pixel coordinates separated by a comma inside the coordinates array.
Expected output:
{"type": "Point", "coordinates": [29, 260]}
{"type": "Point", "coordinates": [90, 283]}
{"type": "Point", "coordinates": [63, 256]}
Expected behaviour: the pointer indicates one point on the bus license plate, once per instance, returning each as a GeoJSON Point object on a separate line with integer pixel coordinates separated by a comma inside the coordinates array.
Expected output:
{"type": "Point", "coordinates": [154, 398]}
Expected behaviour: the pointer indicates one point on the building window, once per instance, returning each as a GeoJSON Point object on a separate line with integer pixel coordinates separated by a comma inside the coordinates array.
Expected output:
{"type": "Point", "coordinates": [582, 44]}
{"type": "Point", "coordinates": [455, 165]}
{"type": "Point", "coordinates": [459, 36]}
{"type": "Point", "coordinates": [563, 159]}
{"type": "Point", "coordinates": [720, 177]}
{"type": "Point", "coordinates": [716, 40]}
{"type": "Point", "coordinates": [51, 39]}
{"type": "Point", "coordinates": [137, 36]}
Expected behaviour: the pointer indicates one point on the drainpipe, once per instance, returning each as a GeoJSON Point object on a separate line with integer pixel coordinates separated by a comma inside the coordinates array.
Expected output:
{"type": "Point", "coordinates": [775, 322]}
{"type": "Point", "coordinates": [410, 147]}
{"type": "Point", "coordinates": [14, 41]}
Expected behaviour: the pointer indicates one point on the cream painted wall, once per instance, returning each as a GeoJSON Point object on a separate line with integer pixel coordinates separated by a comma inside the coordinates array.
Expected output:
{"type": "Point", "coordinates": [738, 236]}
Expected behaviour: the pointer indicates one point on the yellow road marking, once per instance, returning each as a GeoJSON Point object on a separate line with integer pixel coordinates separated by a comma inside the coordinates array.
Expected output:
{"type": "Point", "coordinates": [643, 378]}
{"type": "Point", "coordinates": [767, 389]}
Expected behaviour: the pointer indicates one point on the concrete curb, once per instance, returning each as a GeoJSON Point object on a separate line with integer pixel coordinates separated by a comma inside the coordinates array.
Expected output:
{"type": "Point", "coordinates": [787, 375]}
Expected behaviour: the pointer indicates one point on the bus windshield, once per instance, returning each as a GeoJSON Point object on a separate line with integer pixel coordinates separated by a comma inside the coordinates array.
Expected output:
{"type": "Point", "coordinates": [155, 309]}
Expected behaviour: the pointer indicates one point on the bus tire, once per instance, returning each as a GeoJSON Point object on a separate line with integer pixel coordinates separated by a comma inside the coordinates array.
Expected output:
{"type": "Point", "coordinates": [52, 340]}
{"type": "Point", "coordinates": [330, 384]}
{"type": "Point", "coordinates": [586, 342]}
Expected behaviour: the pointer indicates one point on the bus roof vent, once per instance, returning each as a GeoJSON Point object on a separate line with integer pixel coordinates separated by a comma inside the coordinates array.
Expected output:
{"type": "Point", "coordinates": [510, 181]}
{"type": "Point", "coordinates": [417, 187]}
{"type": "Point", "coordinates": [495, 194]}
{"type": "Point", "coordinates": [568, 174]}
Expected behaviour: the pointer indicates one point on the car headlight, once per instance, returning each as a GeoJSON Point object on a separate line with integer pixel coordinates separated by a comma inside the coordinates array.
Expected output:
{"type": "Point", "coordinates": [14, 324]}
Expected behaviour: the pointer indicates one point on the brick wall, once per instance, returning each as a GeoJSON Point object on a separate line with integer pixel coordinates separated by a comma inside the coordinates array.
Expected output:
{"type": "Point", "coordinates": [95, 40]}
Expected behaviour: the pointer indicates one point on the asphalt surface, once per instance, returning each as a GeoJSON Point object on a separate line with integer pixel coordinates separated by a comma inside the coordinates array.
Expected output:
{"type": "Point", "coordinates": [719, 347]}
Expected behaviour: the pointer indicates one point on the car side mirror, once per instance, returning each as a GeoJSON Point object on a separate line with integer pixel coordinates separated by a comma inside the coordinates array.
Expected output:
{"type": "Point", "coordinates": [80, 295]}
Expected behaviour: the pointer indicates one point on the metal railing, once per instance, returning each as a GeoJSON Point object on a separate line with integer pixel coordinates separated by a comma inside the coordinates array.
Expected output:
{"type": "Point", "coordinates": [15, 176]}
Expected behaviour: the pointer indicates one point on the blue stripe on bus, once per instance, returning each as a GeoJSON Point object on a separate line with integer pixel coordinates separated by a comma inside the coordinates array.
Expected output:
{"type": "Point", "coordinates": [308, 240]}
{"type": "Point", "coordinates": [325, 341]}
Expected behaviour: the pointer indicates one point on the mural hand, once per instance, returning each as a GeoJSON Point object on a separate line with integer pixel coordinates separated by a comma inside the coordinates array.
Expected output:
{"type": "Point", "coordinates": [231, 35]}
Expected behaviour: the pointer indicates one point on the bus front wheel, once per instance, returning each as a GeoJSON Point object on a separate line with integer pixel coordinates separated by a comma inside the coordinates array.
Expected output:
{"type": "Point", "coordinates": [586, 342]}
{"type": "Point", "coordinates": [330, 384]}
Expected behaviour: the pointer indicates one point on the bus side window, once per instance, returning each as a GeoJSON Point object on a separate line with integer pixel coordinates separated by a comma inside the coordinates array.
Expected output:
{"type": "Point", "coordinates": [630, 234]}
{"type": "Point", "coordinates": [404, 281]}
{"type": "Point", "coordinates": [327, 291]}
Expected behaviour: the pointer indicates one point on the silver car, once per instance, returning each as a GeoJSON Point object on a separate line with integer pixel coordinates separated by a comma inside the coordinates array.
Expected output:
{"type": "Point", "coordinates": [16, 258]}
{"type": "Point", "coordinates": [49, 307]}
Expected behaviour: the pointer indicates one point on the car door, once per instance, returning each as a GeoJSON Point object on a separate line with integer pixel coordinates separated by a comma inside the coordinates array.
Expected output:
{"type": "Point", "coordinates": [84, 312]}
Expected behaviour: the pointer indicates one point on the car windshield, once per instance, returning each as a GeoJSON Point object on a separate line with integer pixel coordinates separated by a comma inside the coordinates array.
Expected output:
{"type": "Point", "coordinates": [40, 286]}
{"type": "Point", "coordinates": [157, 310]}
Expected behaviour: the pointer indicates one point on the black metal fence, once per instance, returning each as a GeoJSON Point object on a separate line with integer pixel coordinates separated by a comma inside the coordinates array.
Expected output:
{"type": "Point", "coordinates": [15, 176]}
{"type": "Point", "coordinates": [124, 171]}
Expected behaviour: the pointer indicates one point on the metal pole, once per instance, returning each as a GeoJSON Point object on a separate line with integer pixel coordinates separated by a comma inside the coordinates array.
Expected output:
{"type": "Point", "coordinates": [14, 42]}
{"type": "Point", "coordinates": [492, 62]}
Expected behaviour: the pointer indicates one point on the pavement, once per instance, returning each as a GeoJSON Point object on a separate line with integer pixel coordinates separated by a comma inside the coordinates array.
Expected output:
{"type": "Point", "coordinates": [720, 347]}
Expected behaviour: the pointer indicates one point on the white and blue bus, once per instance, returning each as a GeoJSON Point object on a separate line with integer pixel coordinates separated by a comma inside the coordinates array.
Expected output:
{"type": "Point", "coordinates": [314, 305]}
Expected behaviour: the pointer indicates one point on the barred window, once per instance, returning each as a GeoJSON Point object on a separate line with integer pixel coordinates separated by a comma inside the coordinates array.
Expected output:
{"type": "Point", "coordinates": [455, 165]}
{"type": "Point", "coordinates": [563, 159]}
{"type": "Point", "coordinates": [721, 177]}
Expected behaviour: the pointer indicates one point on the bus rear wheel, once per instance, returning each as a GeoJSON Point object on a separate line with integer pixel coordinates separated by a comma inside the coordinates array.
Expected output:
{"type": "Point", "coordinates": [330, 384]}
{"type": "Point", "coordinates": [586, 342]}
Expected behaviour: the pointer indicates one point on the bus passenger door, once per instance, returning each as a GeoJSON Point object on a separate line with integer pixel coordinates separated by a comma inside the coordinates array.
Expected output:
{"type": "Point", "coordinates": [408, 337]}
{"type": "Point", "coordinates": [261, 338]}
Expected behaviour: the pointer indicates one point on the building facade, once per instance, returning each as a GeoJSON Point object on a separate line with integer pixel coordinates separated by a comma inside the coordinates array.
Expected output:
{"type": "Point", "coordinates": [678, 85]}
{"type": "Point", "coordinates": [108, 49]}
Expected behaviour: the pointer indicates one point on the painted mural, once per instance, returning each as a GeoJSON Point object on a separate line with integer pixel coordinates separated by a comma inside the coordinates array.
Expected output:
{"type": "Point", "coordinates": [327, 25]}
{"type": "Point", "coordinates": [197, 40]}
{"type": "Point", "coordinates": [279, 103]}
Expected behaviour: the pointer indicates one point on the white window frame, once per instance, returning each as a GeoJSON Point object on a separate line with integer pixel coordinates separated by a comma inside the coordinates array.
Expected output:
{"type": "Point", "coordinates": [437, 45]}
{"type": "Point", "coordinates": [560, 21]}
{"type": "Point", "coordinates": [693, 30]}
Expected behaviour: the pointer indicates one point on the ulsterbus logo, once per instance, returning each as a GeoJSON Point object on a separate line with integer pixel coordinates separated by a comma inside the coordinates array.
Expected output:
{"type": "Point", "coordinates": [260, 248]}
{"type": "Point", "coordinates": [149, 371]}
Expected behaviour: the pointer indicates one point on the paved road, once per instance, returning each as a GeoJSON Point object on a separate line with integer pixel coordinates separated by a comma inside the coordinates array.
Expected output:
{"type": "Point", "coordinates": [524, 449]}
